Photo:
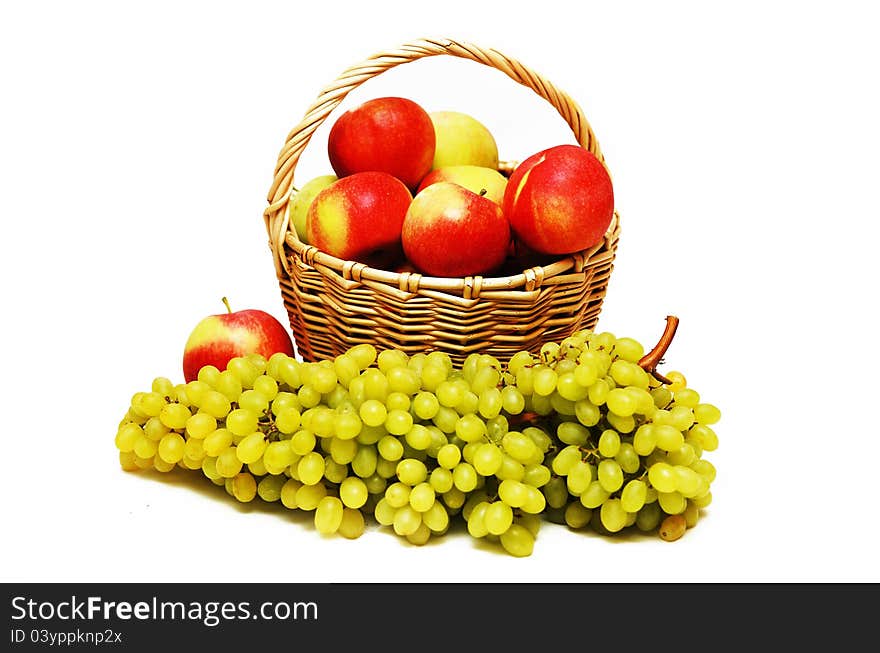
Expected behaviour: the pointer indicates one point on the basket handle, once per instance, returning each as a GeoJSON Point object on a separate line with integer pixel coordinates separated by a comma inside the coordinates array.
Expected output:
{"type": "Point", "coordinates": [275, 215]}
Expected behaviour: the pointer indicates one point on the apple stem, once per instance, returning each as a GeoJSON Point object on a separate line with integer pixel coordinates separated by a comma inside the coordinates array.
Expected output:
{"type": "Point", "coordinates": [649, 361]}
{"type": "Point", "coordinates": [226, 303]}
{"type": "Point", "coordinates": [483, 192]}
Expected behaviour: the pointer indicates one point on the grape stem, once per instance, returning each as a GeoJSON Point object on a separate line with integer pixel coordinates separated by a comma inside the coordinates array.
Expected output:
{"type": "Point", "coordinates": [649, 361]}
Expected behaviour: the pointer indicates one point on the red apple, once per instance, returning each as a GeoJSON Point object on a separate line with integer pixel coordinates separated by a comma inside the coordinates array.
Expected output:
{"type": "Point", "coordinates": [560, 200]}
{"type": "Point", "coordinates": [359, 217]}
{"type": "Point", "coordinates": [450, 231]}
{"type": "Point", "coordinates": [217, 339]}
{"type": "Point", "coordinates": [387, 134]}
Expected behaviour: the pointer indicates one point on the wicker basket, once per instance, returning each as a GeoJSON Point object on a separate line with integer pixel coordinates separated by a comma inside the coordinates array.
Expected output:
{"type": "Point", "coordinates": [334, 304]}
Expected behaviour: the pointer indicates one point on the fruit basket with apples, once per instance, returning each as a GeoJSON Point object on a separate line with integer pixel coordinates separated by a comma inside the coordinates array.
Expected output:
{"type": "Point", "coordinates": [364, 255]}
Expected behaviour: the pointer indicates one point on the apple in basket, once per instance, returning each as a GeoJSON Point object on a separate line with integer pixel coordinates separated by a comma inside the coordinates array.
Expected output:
{"type": "Point", "coordinates": [387, 134]}
{"type": "Point", "coordinates": [217, 339]}
{"type": "Point", "coordinates": [450, 231]}
{"type": "Point", "coordinates": [359, 218]}
{"type": "Point", "coordinates": [298, 208]}
{"type": "Point", "coordinates": [478, 179]}
{"type": "Point", "coordinates": [559, 200]}
{"type": "Point", "coordinates": [461, 139]}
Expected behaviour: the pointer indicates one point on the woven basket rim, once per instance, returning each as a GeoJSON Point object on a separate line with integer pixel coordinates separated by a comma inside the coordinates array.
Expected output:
{"type": "Point", "coordinates": [528, 278]}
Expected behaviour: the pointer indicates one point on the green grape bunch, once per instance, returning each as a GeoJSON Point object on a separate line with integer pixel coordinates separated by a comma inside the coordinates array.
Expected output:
{"type": "Point", "coordinates": [585, 433]}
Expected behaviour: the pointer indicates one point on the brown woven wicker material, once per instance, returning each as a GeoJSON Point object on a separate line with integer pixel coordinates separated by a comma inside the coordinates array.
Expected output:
{"type": "Point", "coordinates": [334, 304]}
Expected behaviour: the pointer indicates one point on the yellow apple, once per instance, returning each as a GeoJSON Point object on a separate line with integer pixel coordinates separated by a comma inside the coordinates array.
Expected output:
{"type": "Point", "coordinates": [461, 139]}
{"type": "Point", "coordinates": [298, 207]}
{"type": "Point", "coordinates": [487, 182]}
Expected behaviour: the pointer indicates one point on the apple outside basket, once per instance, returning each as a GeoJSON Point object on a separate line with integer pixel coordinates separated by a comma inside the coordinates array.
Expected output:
{"type": "Point", "coordinates": [334, 304]}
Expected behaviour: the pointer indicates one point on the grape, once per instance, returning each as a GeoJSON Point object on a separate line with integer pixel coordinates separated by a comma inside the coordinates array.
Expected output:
{"type": "Point", "coordinates": [476, 523]}
{"type": "Point", "coordinates": [398, 422]}
{"type": "Point", "coordinates": [512, 400]}
{"type": "Point", "coordinates": [704, 468]}
{"type": "Point", "coordinates": [270, 486]}
{"type": "Point", "coordinates": [425, 405]}
{"type": "Point", "coordinates": [576, 515]}
{"type": "Point", "coordinates": [436, 518]}
{"type": "Point", "coordinates": [673, 527]}
{"type": "Point", "coordinates": [216, 404]}
{"type": "Point", "coordinates": [535, 501]}
{"type": "Point", "coordinates": [363, 354]}
{"type": "Point", "coordinates": [498, 517]}
{"type": "Point", "coordinates": [242, 421]}
{"type": "Point", "coordinates": [594, 496]}
{"type": "Point", "coordinates": [127, 436]}
{"type": "Point", "coordinates": [448, 456]}
{"type": "Point", "coordinates": [161, 465]}
{"type": "Point", "coordinates": [565, 460]}
{"type": "Point", "coordinates": [145, 448]}
{"type": "Point", "coordinates": [672, 503]}
{"type": "Point", "coordinates": [573, 433]}
{"type": "Point", "coordinates": [309, 496]}
{"type": "Point", "coordinates": [667, 437]}
{"type": "Point", "coordinates": [633, 496]}
{"type": "Point", "coordinates": [342, 451]}
{"type": "Point", "coordinates": [244, 487]}
{"type": "Point", "coordinates": [464, 477]}
{"type": "Point", "coordinates": [421, 497]}
{"type": "Point", "coordinates": [536, 475]}
{"type": "Point", "coordinates": [352, 524]}
{"type": "Point", "coordinates": [171, 448]}
{"type": "Point", "coordinates": [579, 434]}
{"type": "Point", "coordinates": [441, 480]}
{"type": "Point", "coordinates": [406, 520]}
{"type": "Point", "coordinates": [511, 469]}
{"type": "Point", "coordinates": [587, 412]}
{"type": "Point", "coordinates": [684, 455]}
{"type": "Point", "coordinates": [310, 468]}
{"type": "Point", "coordinates": [545, 379]}
{"type": "Point", "coordinates": [174, 416]}
{"type": "Point", "coordinates": [419, 437]}
{"type": "Point", "coordinates": [662, 476]}
{"type": "Point", "coordinates": [518, 541]}
{"type": "Point", "coordinates": [470, 428]}
{"type": "Point", "coordinates": [200, 425]}
{"type": "Point", "coordinates": [579, 478]}
{"type": "Point", "coordinates": [228, 463]}
{"type": "Point", "coordinates": [390, 448]}
{"type": "Point", "coordinates": [251, 447]}
{"type": "Point", "coordinates": [613, 515]}
{"type": "Point", "coordinates": [154, 429]}
{"type": "Point", "coordinates": [628, 458]}
{"type": "Point", "coordinates": [610, 475]}
{"type": "Point", "coordinates": [513, 493]}
{"type": "Point", "coordinates": [411, 471]}
{"type": "Point", "coordinates": [328, 515]}
{"type": "Point", "coordinates": [487, 458]}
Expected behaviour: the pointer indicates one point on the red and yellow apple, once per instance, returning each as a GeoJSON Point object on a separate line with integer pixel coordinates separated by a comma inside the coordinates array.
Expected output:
{"type": "Point", "coordinates": [298, 207]}
{"type": "Point", "coordinates": [487, 182]}
{"type": "Point", "coordinates": [450, 231]}
{"type": "Point", "coordinates": [359, 217]}
{"type": "Point", "coordinates": [387, 134]}
{"type": "Point", "coordinates": [461, 139]}
{"type": "Point", "coordinates": [217, 339]}
{"type": "Point", "coordinates": [559, 200]}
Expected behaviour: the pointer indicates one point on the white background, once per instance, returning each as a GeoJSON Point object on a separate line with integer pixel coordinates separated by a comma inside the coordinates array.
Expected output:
{"type": "Point", "coordinates": [137, 146]}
